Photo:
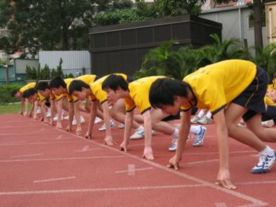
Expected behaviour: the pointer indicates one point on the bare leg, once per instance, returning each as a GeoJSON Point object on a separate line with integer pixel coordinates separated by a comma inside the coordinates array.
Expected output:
{"type": "Point", "coordinates": [233, 115]}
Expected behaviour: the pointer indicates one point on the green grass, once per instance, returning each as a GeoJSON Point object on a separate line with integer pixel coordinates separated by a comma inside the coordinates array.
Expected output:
{"type": "Point", "coordinates": [9, 108]}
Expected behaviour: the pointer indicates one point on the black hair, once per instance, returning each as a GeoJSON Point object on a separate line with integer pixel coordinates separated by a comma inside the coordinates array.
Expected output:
{"type": "Point", "coordinates": [164, 90]}
{"type": "Point", "coordinates": [13, 92]}
{"type": "Point", "coordinates": [28, 93]}
{"type": "Point", "coordinates": [57, 82]}
{"type": "Point", "coordinates": [114, 82]}
{"type": "Point", "coordinates": [42, 86]}
{"type": "Point", "coordinates": [47, 102]}
{"type": "Point", "coordinates": [77, 85]}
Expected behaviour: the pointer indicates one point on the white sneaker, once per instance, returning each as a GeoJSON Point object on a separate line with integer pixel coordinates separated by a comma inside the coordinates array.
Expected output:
{"type": "Point", "coordinates": [265, 163]}
{"type": "Point", "coordinates": [195, 119]}
{"type": "Point", "coordinates": [55, 118]}
{"type": "Point", "coordinates": [65, 117]}
{"type": "Point", "coordinates": [121, 126]}
{"type": "Point", "coordinates": [48, 114]}
{"type": "Point", "coordinates": [268, 123]}
{"type": "Point", "coordinates": [139, 133]}
{"type": "Point", "coordinates": [199, 138]}
{"type": "Point", "coordinates": [82, 120]}
{"type": "Point", "coordinates": [98, 120]}
{"type": "Point", "coordinates": [74, 122]}
{"type": "Point", "coordinates": [38, 110]}
{"type": "Point", "coordinates": [103, 128]}
{"type": "Point", "coordinates": [205, 120]}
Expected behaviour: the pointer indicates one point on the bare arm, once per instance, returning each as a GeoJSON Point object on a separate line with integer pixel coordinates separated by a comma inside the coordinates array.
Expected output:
{"type": "Point", "coordinates": [183, 136]}
{"type": "Point", "coordinates": [107, 119]}
{"type": "Point", "coordinates": [127, 131]}
{"type": "Point", "coordinates": [148, 154]}
{"type": "Point", "coordinates": [223, 177]}
{"type": "Point", "coordinates": [93, 110]}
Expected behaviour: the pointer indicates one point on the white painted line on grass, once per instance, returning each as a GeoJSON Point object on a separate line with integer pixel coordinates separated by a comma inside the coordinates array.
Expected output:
{"type": "Point", "coordinates": [54, 179]}
{"type": "Point", "coordinates": [63, 159]}
{"type": "Point", "coordinates": [63, 191]}
{"type": "Point", "coordinates": [27, 155]}
{"type": "Point", "coordinates": [135, 169]}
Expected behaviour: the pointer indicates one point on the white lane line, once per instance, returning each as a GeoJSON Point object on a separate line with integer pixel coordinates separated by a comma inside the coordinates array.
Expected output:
{"type": "Point", "coordinates": [87, 148]}
{"type": "Point", "coordinates": [54, 179]}
{"type": "Point", "coordinates": [63, 159]}
{"type": "Point", "coordinates": [36, 143]}
{"type": "Point", "coordinates": [136, 169]}
{"type": "Point", "coordinates": [236, 194]}
{"type": "Point", "coordinates": [59, 137]}
{"type": "Point", "coordinates": [216, 153]}
{"type": "Point", "coordinates": [27, 155]}
{"type": "Point", "coordinates": [63, 191]}
{"type": "Point", "coordinates": [267, 182]}
{"type": "Point", "coordinates": [220, 205]}
{"type": "Point", "coordinates": [202, 162]}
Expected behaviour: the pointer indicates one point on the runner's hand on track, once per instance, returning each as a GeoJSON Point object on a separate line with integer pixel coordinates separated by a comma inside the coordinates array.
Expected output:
{"type": "Point", "coordinates": [223, 179]}
{"type": "Point", "coordinates": [174, 163]}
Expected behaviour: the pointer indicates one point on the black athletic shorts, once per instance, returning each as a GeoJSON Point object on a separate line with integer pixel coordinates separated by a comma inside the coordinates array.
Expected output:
{"type": "Point", "coordinates": [252, 97]}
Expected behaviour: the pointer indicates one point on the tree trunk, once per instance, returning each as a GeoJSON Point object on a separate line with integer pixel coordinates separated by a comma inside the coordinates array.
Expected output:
{"type": "Point", "coordinates": [258, 18]}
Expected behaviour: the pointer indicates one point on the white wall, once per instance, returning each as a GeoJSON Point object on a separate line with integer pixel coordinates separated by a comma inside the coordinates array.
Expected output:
{"type": "Point", "coordinates": [235, 23]}
{"type": "Point", "coordinates": [73, 61]}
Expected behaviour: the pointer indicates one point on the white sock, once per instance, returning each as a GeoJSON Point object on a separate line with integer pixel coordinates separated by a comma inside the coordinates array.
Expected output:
{"type": "Point", "coordinates": [209, 115]}
{"type": "Point", "coordinates": [195, 129]}
{"type": "Point", "coordinates": [267, 151]}
{"type": "Point", "coordinates": [176, 133]}
{"type": "Point", "coordinates": [201, 113]}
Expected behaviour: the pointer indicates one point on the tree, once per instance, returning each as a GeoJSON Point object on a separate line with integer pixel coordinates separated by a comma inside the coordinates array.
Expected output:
{"type": "Point", "coordinates": [178, 7]}
{"type": "Point", "coordinates": [48, 25]}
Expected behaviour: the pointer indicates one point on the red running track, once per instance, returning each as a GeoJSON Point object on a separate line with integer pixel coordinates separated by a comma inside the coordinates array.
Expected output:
{"type": "Point", "coordinates": [43, 166]}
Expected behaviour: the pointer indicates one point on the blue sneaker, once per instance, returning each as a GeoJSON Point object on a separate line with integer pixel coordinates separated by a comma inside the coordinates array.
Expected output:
{"type": "Point", "coordinates": [173, 146]}
{"type": "Point", "coordinates": [264, 165]}
{"type": "Point", "coordinates": [199, 138]}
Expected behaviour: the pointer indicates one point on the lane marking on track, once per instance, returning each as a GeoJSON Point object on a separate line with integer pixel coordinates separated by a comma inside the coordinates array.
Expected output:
{"type": "Point", "coordinates": [63, 159]}
{"type": "Point", "coordinates": [59, 137]}
{"type": "Point", "coordinates": [35, 143]}
{"type": "Point", "coordinates": [87, 148]}
{"type": "Point", "coordinates": [27, 155]}
{"type": "Point", "coordinates": [220, 205]}
{"type": "Point", "coordinates": [267, 182]}
{"type": "Point", "coordinates": [54, 179]}
{"type": "Point", "coordinates": [63, 191]}
{"type": "Point", "coordinates": [254, 201]}
{"type": "Point", "coordinates": [129, 171]}
{"type": "Point", "coordinates": [202, 162]}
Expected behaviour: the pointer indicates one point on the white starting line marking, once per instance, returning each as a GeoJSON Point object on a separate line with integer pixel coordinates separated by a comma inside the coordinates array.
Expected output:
{"type": "Point", "coordinates": [87, 148]}
{"type": "Point", "coordinates": [131, 170]}
{"type": "Point", "coordinates": [63, 191]}
{"type": "Point", "coordinates": [59, 137]}
{"type": "Point", "coordinates": [36, 143]}
{"type": "Point", "coordinates": [202, 162]}
{"type": "Point", "coordinates": [28, 155]}
{"type": "Point", "coordinates": [66, 158]}
{"type": "Point", "coordinates": [258, 182]}
{"type": "Point", "coordinates": [54, 179]}
{"type": "Point", "coordinates": [220, 204]}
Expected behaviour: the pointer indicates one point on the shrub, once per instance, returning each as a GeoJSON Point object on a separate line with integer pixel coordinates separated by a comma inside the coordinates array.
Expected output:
{"type": "Point", "coordinates": [6, 90]}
